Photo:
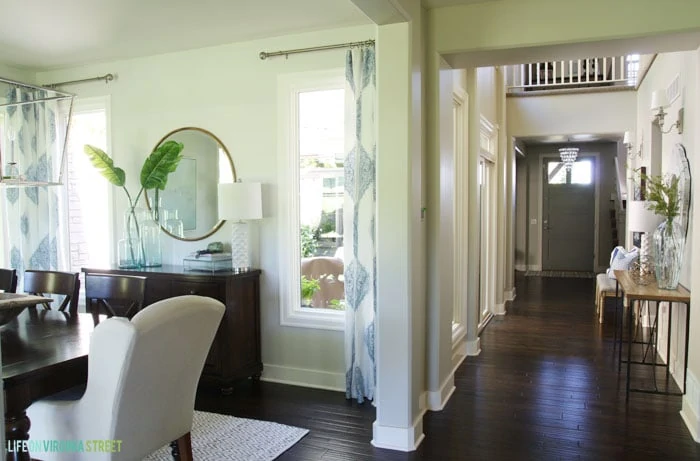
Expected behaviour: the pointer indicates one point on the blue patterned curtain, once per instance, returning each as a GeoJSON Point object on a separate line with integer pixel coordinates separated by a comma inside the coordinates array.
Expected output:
{"type": "Point", "coordinates": [33, 230]}
{"type": "Point", "coordinates": [359, 224]}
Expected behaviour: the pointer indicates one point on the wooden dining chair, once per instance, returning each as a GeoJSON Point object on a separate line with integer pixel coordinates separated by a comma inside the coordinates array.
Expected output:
{"type": "Point", "coordinates": [48, 283]}
{"type": "Point", "coordinates": [114, 295]}
{"type": "Point", "coordinates": [8, 280]}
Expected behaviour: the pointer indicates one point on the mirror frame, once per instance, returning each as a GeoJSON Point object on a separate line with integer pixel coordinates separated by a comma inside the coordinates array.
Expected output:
{"type": "Point", "coordinates": [220, 223]}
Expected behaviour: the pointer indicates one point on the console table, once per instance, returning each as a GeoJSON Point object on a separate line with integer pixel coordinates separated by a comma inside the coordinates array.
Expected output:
{"type": "Point", "coordinates": [235, 352]}
{"type": "Point", "coordinates": [651, 292]}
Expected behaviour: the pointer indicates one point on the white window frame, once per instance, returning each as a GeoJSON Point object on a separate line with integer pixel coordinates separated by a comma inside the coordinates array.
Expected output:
{"type": "Point", "coordinates": [288, 89]}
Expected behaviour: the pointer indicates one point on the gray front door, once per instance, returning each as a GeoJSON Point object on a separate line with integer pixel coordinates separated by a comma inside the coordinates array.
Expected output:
{"type": "Point", "coordinates": [568, 207]}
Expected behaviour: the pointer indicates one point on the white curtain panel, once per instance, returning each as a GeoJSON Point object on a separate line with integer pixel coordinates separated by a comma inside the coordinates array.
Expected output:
{"type": "Point", "coordinates": [34, 222]}
{"type": "Point", "coordinates": [359, 213]}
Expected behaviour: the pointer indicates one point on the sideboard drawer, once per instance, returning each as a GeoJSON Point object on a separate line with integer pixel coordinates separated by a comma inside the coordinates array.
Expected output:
{"type": "Point", "coordinates": [210, 289]}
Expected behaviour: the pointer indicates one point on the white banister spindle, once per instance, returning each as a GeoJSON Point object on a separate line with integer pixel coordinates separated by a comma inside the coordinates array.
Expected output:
{"type": "Point", "coordinates": [522, 75]}
{"type": "Point", "coordinates": [579, 71]}
{"type": "Point", "coordinates": [571, 71]}
{"type": "Point", "coordinates": [614, 68]}
{"type": "Point", "coordinates": [554, 72]}
{"type": "Point", "coordinates": [529, 70]}
{"type": "Point", "coordinates": [538, 73]}
{"type": "Point", "coordinates": [605, 68]}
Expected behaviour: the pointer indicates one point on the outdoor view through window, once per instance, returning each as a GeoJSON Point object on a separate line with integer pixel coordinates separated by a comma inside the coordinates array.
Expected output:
{"type": "Point", "coordinates": [321, 187]}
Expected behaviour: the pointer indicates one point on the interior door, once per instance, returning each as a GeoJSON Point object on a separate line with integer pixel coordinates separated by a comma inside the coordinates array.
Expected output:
{"type": "Point", "coordinates": [568, 221]}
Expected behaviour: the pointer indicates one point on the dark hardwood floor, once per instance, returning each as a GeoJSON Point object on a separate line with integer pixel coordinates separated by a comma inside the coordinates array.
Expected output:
{"type": "Point", "coordinates": [545, 387]}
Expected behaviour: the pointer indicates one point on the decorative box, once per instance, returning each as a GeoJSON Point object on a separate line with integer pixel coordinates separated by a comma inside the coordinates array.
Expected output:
{"type": "Point", "coordinates": [207, 265]}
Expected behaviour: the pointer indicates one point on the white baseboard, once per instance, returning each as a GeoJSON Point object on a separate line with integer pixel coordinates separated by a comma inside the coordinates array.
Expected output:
{"type": "Point", "coordinates": [521, 267]}
{"type": "Point", "coordinates": [316, 379]}
{"type": "Point", "coordinates": [398, 438]}
{"type": "Point", "coordinates": [438, 399]}
{"type": "Point", "coordinates": [690, 412]}
{"type": "Point", "coordinates": [499, 309]}
{"type": "Point", "coordinates": [534, 267]}
{"type": "Point", "coordinates": [509, 295]}
{"type": "Point", "coordinates": [473, 347]}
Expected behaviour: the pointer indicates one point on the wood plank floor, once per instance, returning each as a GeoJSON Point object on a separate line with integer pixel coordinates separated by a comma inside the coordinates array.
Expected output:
{"type": "Point", "coordinates": [545, 387]}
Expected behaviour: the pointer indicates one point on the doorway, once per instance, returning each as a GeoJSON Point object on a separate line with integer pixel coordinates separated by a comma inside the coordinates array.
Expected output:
{"type": "Point", "coordinates": [568, 215]}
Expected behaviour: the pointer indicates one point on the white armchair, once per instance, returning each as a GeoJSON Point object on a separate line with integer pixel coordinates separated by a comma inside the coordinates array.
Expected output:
{"type": "Point", "coordinates": [142, 379]}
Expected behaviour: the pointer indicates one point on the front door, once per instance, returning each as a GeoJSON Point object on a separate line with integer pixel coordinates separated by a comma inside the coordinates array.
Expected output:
{"type": "Point", "coordinates": [568, 207]}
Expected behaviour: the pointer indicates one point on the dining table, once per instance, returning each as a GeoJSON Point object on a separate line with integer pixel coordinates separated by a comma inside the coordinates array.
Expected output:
{"type": "Point", "coordinates": [43, 352]}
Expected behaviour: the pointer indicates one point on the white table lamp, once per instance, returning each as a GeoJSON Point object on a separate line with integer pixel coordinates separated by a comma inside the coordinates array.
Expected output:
{"type": "Point", "coordinates": [641, 219]}
{"type": "Point", "coordinates": [239, 202]}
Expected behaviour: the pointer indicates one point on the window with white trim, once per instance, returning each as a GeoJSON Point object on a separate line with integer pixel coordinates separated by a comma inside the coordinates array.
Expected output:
{"type": "Point", "coordinates": [311, 196]}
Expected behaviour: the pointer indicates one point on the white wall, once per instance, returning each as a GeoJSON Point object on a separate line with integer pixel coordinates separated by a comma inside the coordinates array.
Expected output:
{"type": "Point", "coordinates": [486, 81]}
{"type": "Point", "coordinates": [13, 73]}
{"type": "Point", "coordinates": [229, 91]}
{"type": "Point", "coordinates": [663, 71]}
{"type": "Point", "coordinates": [600, 113]}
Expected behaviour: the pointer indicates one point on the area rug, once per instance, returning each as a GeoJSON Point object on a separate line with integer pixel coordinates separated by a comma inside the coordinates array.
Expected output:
{"type": "Point", "coordinates": [565, 274]}
{"type": "Point", "coordinates": [220, 437]}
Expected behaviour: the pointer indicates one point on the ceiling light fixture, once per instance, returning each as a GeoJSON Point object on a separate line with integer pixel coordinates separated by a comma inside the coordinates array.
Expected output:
{"type": "Point", "coordinates": [568, 156]}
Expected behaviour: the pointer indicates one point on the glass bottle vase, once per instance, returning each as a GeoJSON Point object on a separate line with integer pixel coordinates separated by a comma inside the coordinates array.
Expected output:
{"type": "Point", "coordinates": [667, 251]}
{"type": "Point", "coordinates": [129, 248]}
{"type": "Point", "coordinates": [150, 240]}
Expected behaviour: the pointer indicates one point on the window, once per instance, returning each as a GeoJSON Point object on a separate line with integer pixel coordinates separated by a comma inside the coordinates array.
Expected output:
{"type": "Point", "coordinates": [581, 172]}
{"type": "Point", "coordinates": [88, 207]}
{"type": "Point", "coordinates": [311, 197]}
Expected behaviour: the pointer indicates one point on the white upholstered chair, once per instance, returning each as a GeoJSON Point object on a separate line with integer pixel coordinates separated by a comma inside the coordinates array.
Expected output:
{"type": "Point", "coordinates": [142, 379]}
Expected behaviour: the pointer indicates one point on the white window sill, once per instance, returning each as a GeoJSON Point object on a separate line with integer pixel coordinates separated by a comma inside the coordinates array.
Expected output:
{"type": "Point", "coordinates": [319, 318]}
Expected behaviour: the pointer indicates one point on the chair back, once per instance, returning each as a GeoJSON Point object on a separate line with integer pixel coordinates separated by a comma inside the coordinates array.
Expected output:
{"type": "Point", "coordinates": [8, 280]}
{"type": "Point", "coordinates": [115, 295]}
{"type": "Point", "coordinates": [46, 283]}
{"type": "Point", "coordinates": [143, 373]}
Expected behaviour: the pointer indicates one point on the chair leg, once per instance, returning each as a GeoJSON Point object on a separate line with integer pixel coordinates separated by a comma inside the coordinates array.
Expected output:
{"type": "Point", "coordinates": [182, 448]}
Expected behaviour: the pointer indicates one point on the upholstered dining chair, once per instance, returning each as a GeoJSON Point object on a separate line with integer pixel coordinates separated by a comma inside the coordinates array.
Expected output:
{"type": "Point", "coordinates": [47, 283]}
{"type": "Point", "coordinates": [114, 295]}
{"type": "Point", "coordinates": [8, 280]}
{"type": "Point", "coordinates": [142, 379]}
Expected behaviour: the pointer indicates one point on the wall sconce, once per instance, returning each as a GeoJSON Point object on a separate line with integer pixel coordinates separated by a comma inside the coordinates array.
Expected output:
{"type": "Point", "coordinates": [659, 101]}
{"type": "Point", "coordinates": [627, 141]}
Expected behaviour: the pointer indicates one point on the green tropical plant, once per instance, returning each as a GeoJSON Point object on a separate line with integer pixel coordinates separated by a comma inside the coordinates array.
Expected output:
{"type": "Point", "coordinates": [154, 173]}
{"type": "Point", "coordinates": [663, 194]}
{"type": "Point", "coordinates": [309, 241]}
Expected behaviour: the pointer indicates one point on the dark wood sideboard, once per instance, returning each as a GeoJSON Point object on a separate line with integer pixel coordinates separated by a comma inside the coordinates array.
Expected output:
{"type": "Point", "coordinates": [235, 353]}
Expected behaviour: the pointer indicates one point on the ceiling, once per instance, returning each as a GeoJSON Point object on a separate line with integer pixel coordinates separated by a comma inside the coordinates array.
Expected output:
{"type": "Point", "coordinates": [41, 34]}
{"type": "Point", "coordinates": [442, 3]}
{"type": "Point", "coordinates": [571, 138]}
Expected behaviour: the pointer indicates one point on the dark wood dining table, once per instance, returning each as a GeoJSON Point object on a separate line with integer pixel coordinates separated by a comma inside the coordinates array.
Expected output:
{"type": "Point", "coordinates": [43, 352]}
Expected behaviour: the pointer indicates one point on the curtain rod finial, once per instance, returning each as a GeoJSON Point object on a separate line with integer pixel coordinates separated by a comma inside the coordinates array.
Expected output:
{"type": "Point", "coordinates": [263, 55]}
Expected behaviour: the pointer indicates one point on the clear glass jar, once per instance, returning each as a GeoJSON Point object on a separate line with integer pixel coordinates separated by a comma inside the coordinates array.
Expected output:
{"type": "Point", "coordinates": [667, 251]}
{"type": "Point", "coordinates": [150, 240]}
{"type": "Point", "coordinates": [129, 253]}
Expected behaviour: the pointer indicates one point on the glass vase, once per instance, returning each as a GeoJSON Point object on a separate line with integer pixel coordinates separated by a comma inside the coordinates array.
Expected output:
{"type": "Point", "coordinates": [150, 240]}
{"type": "Point", "coordinates": [130, 250]}
{"type": "Point", "coordinates": [667, 252]}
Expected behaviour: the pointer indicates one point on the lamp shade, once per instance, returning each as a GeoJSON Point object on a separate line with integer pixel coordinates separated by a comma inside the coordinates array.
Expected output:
{"type": "Point", "coordinates": [240, 200]}
{"type": "Point", "coordinates": [659, 99]}
{"type": "Point", "coordinates": [627, 139]}
{"type": "Point", "coordinates": [641, 219]}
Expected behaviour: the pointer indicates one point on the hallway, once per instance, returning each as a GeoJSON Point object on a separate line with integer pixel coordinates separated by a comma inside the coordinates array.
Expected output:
{"type": "Point", "coordinates": [545, 387]}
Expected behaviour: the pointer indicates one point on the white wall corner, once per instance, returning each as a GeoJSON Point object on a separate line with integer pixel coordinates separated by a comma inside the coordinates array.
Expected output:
{"type": "Point", "coordinates": [499, 309]}
{"type": "Point", "coordinates": [459, 353]}
{"type": "Point", "coordinates": [474, 347]}
{"type": "Point", "coordinates": [423, 403]}
{"type": "Point", "coordinates": [398, 438]}
{"type": "Point", "coordinates": [690, 412]}
{"type": "Point", "coordinates": [438, 399]}
{"type": "Point", "coordinates": [509, 295]}
{"type": "Point", "coordinates": [316, 379]}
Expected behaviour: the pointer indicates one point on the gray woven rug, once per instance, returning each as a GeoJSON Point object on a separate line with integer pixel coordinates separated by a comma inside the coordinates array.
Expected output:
{"type": "Point", "coordinates": [220, 437]}
{"type": "Point", "coordinates": [565, 274]}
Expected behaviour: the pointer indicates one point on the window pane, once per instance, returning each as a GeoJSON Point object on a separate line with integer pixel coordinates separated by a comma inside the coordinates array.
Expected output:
{"type": "Point", "coordinates": [582, 172]}
{"type": "Point", "coordinates": [321, 187]}
{"type": "Point", "coordinates": [556, 173]}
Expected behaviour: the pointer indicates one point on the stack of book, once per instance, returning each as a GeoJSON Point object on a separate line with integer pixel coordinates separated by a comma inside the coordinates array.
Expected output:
{"type": "Point", "coordinates": [210, 262]}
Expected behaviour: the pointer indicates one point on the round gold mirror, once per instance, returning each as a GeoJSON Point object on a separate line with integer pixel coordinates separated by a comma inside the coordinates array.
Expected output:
{"type": "Point", "coordinates": [187, 208]}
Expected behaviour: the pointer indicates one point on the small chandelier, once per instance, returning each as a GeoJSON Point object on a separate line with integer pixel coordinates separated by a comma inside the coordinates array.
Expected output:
{"type": "Point", "coordinates": [568, 156]}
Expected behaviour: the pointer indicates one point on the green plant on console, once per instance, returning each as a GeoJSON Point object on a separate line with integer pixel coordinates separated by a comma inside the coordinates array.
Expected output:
{"type": "Point", "coordinates": [154, 174]}
{"type": "Point", "coordinates": [309, 287]}
{"type": "Point", "coordinates": [663, 195]}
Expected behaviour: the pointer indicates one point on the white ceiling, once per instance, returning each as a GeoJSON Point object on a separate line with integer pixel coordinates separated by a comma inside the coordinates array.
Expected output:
{"type": "Point", "coordinates": [42, 34]}
{"type": "Point", "coordinates": [441, 3]}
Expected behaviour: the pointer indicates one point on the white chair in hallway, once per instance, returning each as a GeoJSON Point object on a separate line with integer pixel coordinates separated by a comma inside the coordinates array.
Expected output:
{"type": "Point", "coordinates": [142, 379]}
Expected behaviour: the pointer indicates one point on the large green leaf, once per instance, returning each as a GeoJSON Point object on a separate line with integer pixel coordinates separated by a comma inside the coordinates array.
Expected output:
{"type": "Point", "coordinates": [105, 165]}
{"type": "Point", "coordinates": [162, 161]}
